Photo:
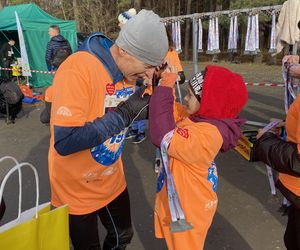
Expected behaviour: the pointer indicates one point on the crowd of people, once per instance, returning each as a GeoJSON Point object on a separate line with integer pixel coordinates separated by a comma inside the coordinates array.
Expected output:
{"type": "Point", "coordinates": [104, 93]}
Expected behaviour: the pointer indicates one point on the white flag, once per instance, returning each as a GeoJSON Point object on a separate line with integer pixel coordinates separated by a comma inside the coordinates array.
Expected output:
{"type": "Point", "coordinates": [25, 63]}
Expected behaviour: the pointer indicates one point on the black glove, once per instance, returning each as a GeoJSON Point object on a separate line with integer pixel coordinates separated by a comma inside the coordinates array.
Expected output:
{"type": "Point", "coordinates": [136, 105]}
{"type": "Point", "coordinates": [181, 77]}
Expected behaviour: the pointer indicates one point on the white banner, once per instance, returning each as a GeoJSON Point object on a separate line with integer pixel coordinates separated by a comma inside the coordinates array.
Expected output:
{"type": "Point", "coordinates": [25, 63]}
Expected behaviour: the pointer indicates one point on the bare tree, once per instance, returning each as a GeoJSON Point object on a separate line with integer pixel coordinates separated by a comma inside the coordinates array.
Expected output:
{"type": "Point", "coordinates": [76, 13]}
{"type": "Point", "coordinates": [3, 3]}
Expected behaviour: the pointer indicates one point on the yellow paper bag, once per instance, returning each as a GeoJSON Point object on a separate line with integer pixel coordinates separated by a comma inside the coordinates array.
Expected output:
{"type": "Point", "coordinates": [36, 228]}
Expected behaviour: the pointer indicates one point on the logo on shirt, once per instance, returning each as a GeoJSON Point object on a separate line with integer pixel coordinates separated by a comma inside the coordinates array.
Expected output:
{"type": "Point", "coordinates": [213, 176]}
{"type": "Point", "coordinates": [183, 132]}
{"type": "Point", "coordinates": [211, 204]}
{"type": "Point", "coordinates": [110, 88]}
{"type": "Point", "coordinates": [64, 111]}
{"type": "Point", "coordinates": [109, 152]}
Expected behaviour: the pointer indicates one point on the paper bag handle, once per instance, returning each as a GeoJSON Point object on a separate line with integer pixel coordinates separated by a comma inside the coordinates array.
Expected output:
{"type": "Point", "coordinates": [20, 181]}
{"type": "Point", "coordinates": [18, 168]}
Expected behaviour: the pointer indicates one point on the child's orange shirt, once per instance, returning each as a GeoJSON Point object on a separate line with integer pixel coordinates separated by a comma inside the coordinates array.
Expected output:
{"type": "Point", "coordinates": [192, 150]}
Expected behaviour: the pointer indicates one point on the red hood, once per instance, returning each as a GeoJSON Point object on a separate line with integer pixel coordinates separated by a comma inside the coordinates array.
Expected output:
{"type": "Point", "coordinates": [224, 94]}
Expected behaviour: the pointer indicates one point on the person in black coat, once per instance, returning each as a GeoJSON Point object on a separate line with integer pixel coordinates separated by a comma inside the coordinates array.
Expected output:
{"type": "Point", "coordinates": [7, 55]}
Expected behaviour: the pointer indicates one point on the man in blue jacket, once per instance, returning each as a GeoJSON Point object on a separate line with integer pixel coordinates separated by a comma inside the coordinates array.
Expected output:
{"type": "Point", "coordinates": [58, 48]}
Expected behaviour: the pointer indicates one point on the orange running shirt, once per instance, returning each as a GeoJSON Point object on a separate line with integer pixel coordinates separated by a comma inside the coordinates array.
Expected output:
{"type": "Point", "coordinates": [293, 134]}
{"type": "Point", "coordinates": [192, 149]}
{"type": "Point", "coordinates": [90, 179]}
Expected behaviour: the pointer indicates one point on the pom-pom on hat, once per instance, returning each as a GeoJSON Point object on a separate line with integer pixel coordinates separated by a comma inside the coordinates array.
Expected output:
{"type": "Point", "coordinates": [126, 15]}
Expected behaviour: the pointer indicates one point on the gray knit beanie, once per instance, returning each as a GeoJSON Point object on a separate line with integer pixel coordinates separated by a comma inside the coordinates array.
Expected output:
{"type": "Point", "coordinates": [144, 36]}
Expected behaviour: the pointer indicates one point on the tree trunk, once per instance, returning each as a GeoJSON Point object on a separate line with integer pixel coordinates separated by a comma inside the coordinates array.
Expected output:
{"type": "Point", "coordinates": [215, 56]}
{"type": "Point", "coordinates": [137, 5]}
{"type": "Point", "coordinates": [187, 31]}
{"type": "Point", "coordinates": [76, 14]}
{"type": "Point", "coordinates": [3, 3]}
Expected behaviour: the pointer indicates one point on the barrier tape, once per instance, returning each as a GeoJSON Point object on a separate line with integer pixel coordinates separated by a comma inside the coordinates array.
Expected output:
{"type": "Point", "coordinates": [264, 84]}
{"type": "Point", "coordinates": [33, 71]}
{"type": "Point", "coordinates": [246, 83]}
{"type": "Point", "coordinates": [261, 84]}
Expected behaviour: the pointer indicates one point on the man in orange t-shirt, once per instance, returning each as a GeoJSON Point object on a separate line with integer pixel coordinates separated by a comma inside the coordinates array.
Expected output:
{"type": "Point", "coordinates": [85, 166]}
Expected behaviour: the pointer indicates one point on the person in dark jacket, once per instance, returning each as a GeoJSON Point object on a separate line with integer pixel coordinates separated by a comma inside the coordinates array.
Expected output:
{"type": "Point", "coordinates": [56, 43]}
{"type": "Point", "coordinates": [284, 157]}
{"type": "Point", "coordinates": [7, 55]}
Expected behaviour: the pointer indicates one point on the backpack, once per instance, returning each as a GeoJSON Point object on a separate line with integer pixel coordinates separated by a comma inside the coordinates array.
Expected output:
{"type": "Point", "coordinates": [13, 109]}
{"type": "Point", "coordinates": [11, 92]}
{"type": "Point", "coordinates": [60, 55]}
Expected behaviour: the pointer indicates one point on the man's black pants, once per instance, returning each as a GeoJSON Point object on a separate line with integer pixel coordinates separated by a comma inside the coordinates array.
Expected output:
{"type": "Point", "coordinates": [6, 74]}
{"type": "Point", "coordinates": [292, 232]}
{"type": "Point", "coordinates": [115, 217]}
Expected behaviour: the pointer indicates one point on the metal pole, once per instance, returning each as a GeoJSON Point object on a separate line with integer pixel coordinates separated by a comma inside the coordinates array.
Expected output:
{"type": "Point", "coordinates": [224, 12]}
{"type": "Point", "coordinates": [295, 49]}
{"type": "Point", "coordinates": [179, 91]}
{"type": "Point", "coordinates": [195, 54]}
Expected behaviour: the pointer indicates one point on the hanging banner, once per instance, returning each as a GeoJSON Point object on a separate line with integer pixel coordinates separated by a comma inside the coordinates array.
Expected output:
{"type": "Point", "coordinates": [24, 61]}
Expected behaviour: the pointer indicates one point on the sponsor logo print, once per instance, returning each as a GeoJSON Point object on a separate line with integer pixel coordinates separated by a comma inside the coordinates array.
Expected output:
{"type": "Point", "coordinates": [183, 132]}
{"type": "Point", "coordinates": [64, 111]}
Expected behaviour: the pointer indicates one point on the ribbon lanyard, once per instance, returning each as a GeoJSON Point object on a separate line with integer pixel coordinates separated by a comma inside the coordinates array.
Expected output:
{"type": "Point", "coordinates": [179, 223]}
{"type": "Point", "coordinates": [216, 36]}
{"type": "Point", "coordinates": [200, 35]}
{"type": "Point", "coordinates": [248, 36]}
{"type": "Point", "coordinates": [213, 35]}
{"type": "Point", "coordinates": [273, 34]}
{"type": "Point", "coordinates": [252, 35]}
{"type": "Point", "coordinates": [213, 46]}
{"type": "Point", "coordinates": [209, 40]}
{"type": "Point", "coordinates": [231, 36]}
{"type": "Point", "coordinates": [235, 33]}
{"type": "Point", "coordinates": [289, 93]}
{"type": "Point", "coordinates": [174, 36]}
{"type": "Point", "coordinates": [178, 37]}
{"type": "Point", "coordinates": [257, 50]}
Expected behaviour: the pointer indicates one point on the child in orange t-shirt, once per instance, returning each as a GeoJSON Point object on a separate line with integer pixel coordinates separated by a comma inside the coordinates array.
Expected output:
{"type": "Point", "coordinates": [190, 137]}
